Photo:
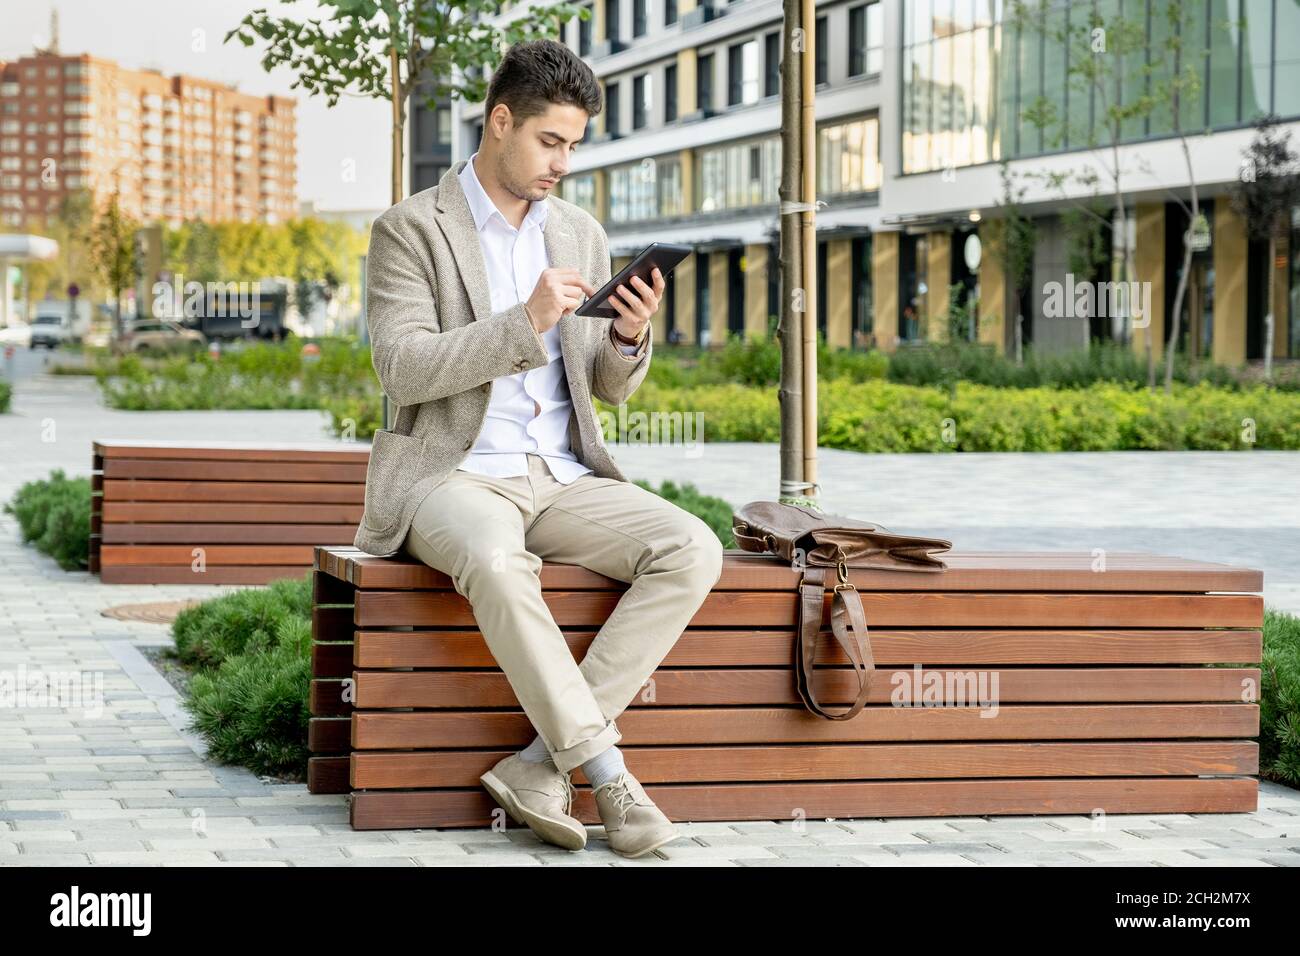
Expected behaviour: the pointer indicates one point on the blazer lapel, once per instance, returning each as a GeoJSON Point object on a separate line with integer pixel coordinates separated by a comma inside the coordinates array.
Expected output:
{"type": "Point", "coordinates": [457, 223]}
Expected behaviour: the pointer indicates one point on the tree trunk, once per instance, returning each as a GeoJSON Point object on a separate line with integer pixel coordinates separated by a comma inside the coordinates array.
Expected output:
{"type": "Point", "coordinates": [397, 127]}
{"type": "Point", "coordinates": [808, 263]}
{"type": "Point", "coordinates": [1185, 278]}
{"type": "Point", "coordinates": [789, 330]}
{"type": "Point", "coordinates": [1269, 318]}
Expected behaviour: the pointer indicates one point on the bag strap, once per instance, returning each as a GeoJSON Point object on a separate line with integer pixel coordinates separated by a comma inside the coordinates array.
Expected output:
{"type": "Point", "coordinates": [848, 625]}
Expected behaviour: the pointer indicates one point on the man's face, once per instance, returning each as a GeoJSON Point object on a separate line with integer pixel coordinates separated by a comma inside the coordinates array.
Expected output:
{"type": "Point", "coordinates": [534, 156]}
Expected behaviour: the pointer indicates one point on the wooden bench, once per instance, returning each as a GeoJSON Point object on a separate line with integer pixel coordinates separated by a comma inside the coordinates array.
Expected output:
{"type": "Point", "coordinates": [252, 511]}
{"type": "Point", "coordinates": [1104, 699]}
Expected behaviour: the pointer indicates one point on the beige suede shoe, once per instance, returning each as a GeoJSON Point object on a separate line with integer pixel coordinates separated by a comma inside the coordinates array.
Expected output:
{"type": "Point", "coordinates": [539, 796]}
{"type": "Point", "coordinates": [633, 824]}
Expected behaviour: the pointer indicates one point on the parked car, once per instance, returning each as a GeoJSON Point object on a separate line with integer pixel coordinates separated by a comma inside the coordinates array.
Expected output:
{"type": "Point", "coordinates": [159, 337]}
{"type": "Point", "coordinates": [57, 322]}
{"type": "Point", "coordinates": [51, 331]}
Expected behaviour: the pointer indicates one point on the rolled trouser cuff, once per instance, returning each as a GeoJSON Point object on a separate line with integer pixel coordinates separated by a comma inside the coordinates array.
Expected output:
{"type": "Point", "coordinates": [582, 752]}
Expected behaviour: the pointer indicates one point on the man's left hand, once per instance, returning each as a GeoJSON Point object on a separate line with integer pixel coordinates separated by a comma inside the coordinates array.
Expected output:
{"type": "Point", "coordinates": [635, 310]}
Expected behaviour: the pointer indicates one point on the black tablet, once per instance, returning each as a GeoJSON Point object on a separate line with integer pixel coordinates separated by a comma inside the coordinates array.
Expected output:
{"type": "Point", "coordinates": [658, 255]}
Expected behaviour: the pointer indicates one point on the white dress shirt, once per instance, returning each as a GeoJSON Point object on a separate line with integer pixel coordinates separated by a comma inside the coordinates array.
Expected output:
{"type": "Point", "coordinates": [528, 411]}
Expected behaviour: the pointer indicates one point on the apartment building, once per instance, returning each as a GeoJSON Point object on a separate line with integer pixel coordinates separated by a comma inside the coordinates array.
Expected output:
{"type": "Point", "coordinates": [172, 148]}
{"type": "Point", "coordinates": [918, 105]}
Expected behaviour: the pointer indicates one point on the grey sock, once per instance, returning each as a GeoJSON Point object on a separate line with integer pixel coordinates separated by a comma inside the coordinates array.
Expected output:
{"type": "Point", "coordinates": [604, 766]}
{"type": "Point", "coordinates": [535, 752]}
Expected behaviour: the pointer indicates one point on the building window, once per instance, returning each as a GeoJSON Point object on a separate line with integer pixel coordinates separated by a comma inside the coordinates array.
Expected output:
{"type": "Point", "coordinates": [611, 20]}
{"type": "Point", "coordinates": [742, 73]}
{"type": "Point", "coordinates": [580, 190]}
{"type": "Point", "coordinates": [670, 12]}
{"type": "Point", "coordinates": [739, 175]}
{"type": "Point", "coordinates": [704, 83]}
{"type": "Point", "coordinates": [648, 190]}
{"type": "Point", "coordinates": [639, 14]}
{"type": "Point", "coordinates": [969, 81]}
{"type": "Point", "coordinates": [611, 109]}
{"type": "Point", "coordinates": [584, 33]}
{"type": "Point", "coordinates": [641, 101]}
{"type": "Point", "coordinates": [772, 64]}
{"type": "Point", "coordinates": [848, 157]}
{"type": "Point", "coordinates": [670, 93]}
{"type": "Point", "coordinates": [865, 40]}
{"type": "Point", "coordinates": [821, 72]}
{"type": "Point", "coordinates": [444, 125]}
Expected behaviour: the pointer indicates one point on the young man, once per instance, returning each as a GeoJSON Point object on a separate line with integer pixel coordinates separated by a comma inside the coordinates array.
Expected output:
{"type": "Point", "coordinates": [496, 461]}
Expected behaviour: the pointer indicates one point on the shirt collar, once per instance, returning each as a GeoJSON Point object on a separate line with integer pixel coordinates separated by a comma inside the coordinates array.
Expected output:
{"type": "Point", "coordinates": [482, 207]}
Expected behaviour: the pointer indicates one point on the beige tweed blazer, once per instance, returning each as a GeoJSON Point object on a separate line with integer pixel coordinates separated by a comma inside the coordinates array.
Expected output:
{"type": "Point", "coordinates": [436, 347]}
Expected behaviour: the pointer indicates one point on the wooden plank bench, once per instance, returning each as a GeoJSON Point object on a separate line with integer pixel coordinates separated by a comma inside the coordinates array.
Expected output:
{"type": "Point", "coordinates": [1104, 700]}
{"type": "Point", "coordinates": [253, 511]}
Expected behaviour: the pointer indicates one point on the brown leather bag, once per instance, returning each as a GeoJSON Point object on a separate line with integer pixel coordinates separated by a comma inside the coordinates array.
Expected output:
{"type": "Point", "coordinates": [812, 542]}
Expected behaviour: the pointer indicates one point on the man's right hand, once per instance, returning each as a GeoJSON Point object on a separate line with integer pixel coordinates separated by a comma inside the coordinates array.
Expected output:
{"type": "Point", "coordinates": [557, 291]}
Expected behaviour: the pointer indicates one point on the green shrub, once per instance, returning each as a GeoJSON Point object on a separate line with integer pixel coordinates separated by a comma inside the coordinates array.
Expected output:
{"type": "Point", "coordinates": [1279, 712]}
{"type": "Point", "coordinates": [250, 651]}
{"type": "Point", "coordinates": [54, 515]}
{"type": "Point", "coordinates": [257, 375]}
{"type": "Point", "coordinates": [253, 709]}
{"type": "Point", "coordinates": [209, 633]}
{"type": "Point", "coordinates": [6, 393]}
{"type": "Point", "coordinates": [878, 416]}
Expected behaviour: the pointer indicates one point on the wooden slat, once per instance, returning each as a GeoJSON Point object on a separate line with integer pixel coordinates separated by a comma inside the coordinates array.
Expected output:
{"type": "Point", "coordinates": [141, 511]}
{"type": "Point", "coordinates": [278, 533]}
{"type": "Point", "coordinates": [217, 470]}
{"type": "Point", "coordinates": [157, 555]}
{"type": "Point", "coordinates": [331, 623]}
{"type": "Point", "coordinates": [773, 686]}
{"type": "Point", "coordinates": [854, 800]}
{"type": "Point", "coordinates": [325, 699]}
{"type": "Point", "coordinates": [726, 647]}
{"type": "Point", "coordinates": [967, 571]}
{"type": "Point", "coordinates": [329, 590]}
{"type": "Point", "coordinates": [462, 768]}
{"type": "Point", "coordinates": [329, 735]}
{"type": "Point", "coordinates": [331, 660]}
{"type": "Point", "coordinates": [320, 492]}
{"type": "Point", "coordinates": [915, 609]}
{"type": "Point", "coordinates": [149, 574]}
{"type": "Point", "coordinates": [344, 452]}
{"type": "Point", "coordinates": [378, 730]}
{"type": "Point", "coordinates": [327, 775]}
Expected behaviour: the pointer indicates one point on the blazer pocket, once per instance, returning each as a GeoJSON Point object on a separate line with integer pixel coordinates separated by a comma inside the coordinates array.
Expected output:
{"type": "Point", "coordinates": [395, 465]}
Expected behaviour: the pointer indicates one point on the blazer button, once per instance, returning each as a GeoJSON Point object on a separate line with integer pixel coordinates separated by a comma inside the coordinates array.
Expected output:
{"type": "Point", "coordinates": [468, 444]}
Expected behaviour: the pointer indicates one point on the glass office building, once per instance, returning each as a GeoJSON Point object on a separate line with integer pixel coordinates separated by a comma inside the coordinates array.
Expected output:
{"type": "Point", "coordinates": [986, 80]}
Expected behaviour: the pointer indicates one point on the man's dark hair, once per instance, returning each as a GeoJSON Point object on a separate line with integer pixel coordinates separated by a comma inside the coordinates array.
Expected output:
{"type": "Point", "coordinates": [534, 74]}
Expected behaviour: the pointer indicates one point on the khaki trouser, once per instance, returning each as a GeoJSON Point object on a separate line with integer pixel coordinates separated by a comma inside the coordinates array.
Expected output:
{"type": "Point", "coordinates": [490, 536]}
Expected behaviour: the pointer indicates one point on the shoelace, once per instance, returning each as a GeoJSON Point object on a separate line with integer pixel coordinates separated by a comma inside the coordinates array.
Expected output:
{"type": "Point", "coordinates": [620, 792]}
{"type": "Point", "coordinates": [566, 791]}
